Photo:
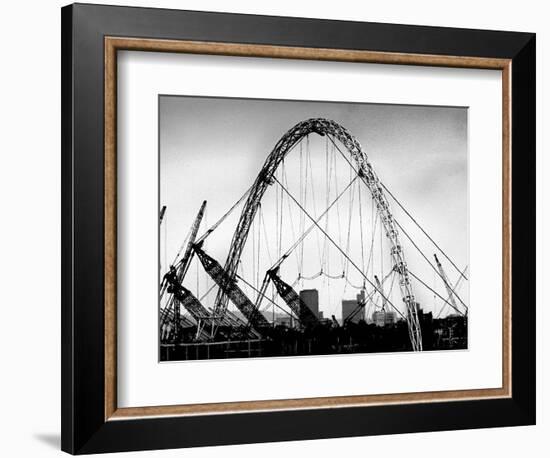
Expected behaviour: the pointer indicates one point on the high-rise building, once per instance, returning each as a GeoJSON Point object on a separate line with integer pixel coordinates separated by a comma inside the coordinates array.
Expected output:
{"type": "Point", "coordinates": [383, 318]}
{"type": "Point", "coordinates": [310, 297]}
{"type": "Point", "coordinates": [350, 306]}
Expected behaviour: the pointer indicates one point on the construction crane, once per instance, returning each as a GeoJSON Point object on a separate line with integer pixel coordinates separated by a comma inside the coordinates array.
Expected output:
{"type": "Point", "coordinates": [229, 286]}
{"type": "Point", "coordinates": [172, 281]}
{"type": "Point", "coordinates": [450, 292]}
{"type": "Point", "coordinates": [364, 302]}
{"type": "Point", "coordinates": [182, 296]}
{"type": "Point", "coordinates": [360, 306]}
{"type": "Point", "coordinates": [306, 317]}
{"type": "Point", "coordinates": [188, 255]}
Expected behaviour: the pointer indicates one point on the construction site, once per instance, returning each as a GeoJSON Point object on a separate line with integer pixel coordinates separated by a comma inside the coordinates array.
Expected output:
{"type": "Point", "coordinates": [315, 265]}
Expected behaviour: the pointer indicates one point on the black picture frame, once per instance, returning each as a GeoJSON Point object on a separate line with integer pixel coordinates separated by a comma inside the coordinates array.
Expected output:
{"type": "Point", "coordinates": [84, 427]}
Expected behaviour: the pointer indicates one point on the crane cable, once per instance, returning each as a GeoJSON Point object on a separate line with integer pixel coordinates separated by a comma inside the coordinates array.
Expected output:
{"type": "Point", "coordinates": [404, 209]}
{"type": "Point", "coordinates": [336, 190]}
{"type": "Point", "coordinates": [436, 293]}
{"type": "Point", "coordinates": [310, 168]}
{"type": "Point", "coordinates": [428, 261]}
{"type": "Point", "coordinates": [456, 286]}
{"type": "Point", "coordinates": [310, 228]}
{"type": "Point", "coordinates": [423, 231]}
{"type": "Point", "coordinates": [226, 214]}
{"type": "Point", "coordinates": [340, 249]}
{"type": "Point", "coordinates": [285, 179]}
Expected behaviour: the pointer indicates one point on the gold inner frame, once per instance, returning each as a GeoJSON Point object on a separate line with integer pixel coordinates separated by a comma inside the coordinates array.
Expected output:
{"type": "Point", "coordinates": [114, 44]}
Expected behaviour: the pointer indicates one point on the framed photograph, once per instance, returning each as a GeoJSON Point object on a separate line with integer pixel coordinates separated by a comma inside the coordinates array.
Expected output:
{"type": "Point", "coordinates": [270, 222]}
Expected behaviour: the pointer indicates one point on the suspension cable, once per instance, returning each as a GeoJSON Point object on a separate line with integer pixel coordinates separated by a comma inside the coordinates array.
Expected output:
{"type": "Point", "coordinates": [310, 228]}
{"type": "Point", "coordinates": [348, 240]}
{"type": "Point", "coordinates": [361, 227]}
{"type": "Point", "coordinates": [426, 259]}
{"type": "Point", "coordinates": [285, 179]}
{"type": "Point", "coordinates": [301, 223]}
{"type": "Point", "coordinates": [374, 219]}
{"type": "Point", "coordinates": [340, 249]}
{"type": "Point", "coordinates": [336, 189]}
{"type": "Point", "coordinates": [423, 231]}
{"type": "Point", "coordinates": [310, 168]}
{"type": "Point", "coordinates": [406, 212]}
{"type": "Point", "coordinates": [265, 235]}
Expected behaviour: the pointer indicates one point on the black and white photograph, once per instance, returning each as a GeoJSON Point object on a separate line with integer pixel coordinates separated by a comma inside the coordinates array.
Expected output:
{"type": "Point", "coordinates": [275, 229]}
{"type": "Point", "coordinates": [296, 228]}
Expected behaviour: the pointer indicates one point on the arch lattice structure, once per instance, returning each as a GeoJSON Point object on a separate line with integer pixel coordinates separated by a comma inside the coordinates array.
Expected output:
{"type": "Point", "coordinates": [367, 174]}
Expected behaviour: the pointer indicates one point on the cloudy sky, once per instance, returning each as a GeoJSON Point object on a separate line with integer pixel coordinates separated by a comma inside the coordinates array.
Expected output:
{"type": "Point", "coordinates": [213, 148]}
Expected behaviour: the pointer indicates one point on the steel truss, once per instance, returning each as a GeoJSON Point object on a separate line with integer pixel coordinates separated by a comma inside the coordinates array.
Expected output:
{"type": "Point", "coordinates": [367, 174]}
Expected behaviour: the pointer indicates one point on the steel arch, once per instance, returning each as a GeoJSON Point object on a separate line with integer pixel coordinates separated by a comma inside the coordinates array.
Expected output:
{"type": "Point", "coordinates": [322, 126]}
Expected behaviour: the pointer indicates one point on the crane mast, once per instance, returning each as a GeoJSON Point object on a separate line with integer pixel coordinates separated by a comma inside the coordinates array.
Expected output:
{"type": "Point", "coordinates": [188, 255]}
{"type": "Point", "coordinates": [172, 281]}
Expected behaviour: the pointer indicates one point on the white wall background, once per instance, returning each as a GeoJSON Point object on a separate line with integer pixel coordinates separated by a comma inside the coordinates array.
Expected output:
{"type": "Point", "coordinates": [30, 226]}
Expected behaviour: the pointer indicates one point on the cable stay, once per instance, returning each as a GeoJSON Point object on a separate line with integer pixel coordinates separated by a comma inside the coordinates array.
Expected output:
{"type": "Point", "coordinates": [328, 183]}
{"type": "Point", "coordinates": [423, 231]}
{"type": "Point", "coordinates": [266, 239]}
{"type": "Point", "coordinates": [436, 270]}
{"type": "Point", "coordinates": [285, 180]}
{"type": "Point", "coordinates": [310, 169]}
{"type": "Point", "coordinates": [454, 289]}
{"type": "Point", "coordinates": [366, 300]}
{"type": "Point", "coordinates": [222, 219]}
{"type": "Point", "coordinates": [451, 294]}
{"type": "Point", "coordinates": [436, 293]}
{"type": "Point", "coordinates": [350, 212]}
{"type": "Point", "coordinates": [312, 226]}
{"type": "Point", "coordinates": [334, 167]}
{"type": "Point", "coordinates": [340, 249]}
{"type": "Point", "coordinates": [401, 206]}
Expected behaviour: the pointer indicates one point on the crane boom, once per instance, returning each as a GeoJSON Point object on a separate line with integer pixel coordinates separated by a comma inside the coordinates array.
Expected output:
{"type": "Point", "coordinates": [299, 308]}
{"type": "Point", "coordinates": [173, 279]}
{"type": "Point", "coordinates": [450, 291]}
{"type": "Point", "coordinates": [229, 287]}
{"type": "Point", "coordinates": [188, 254]}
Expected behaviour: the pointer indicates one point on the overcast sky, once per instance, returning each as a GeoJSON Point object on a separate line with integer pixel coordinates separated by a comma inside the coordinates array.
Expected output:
{"type": "Point", "coordinates": [213, 148]}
